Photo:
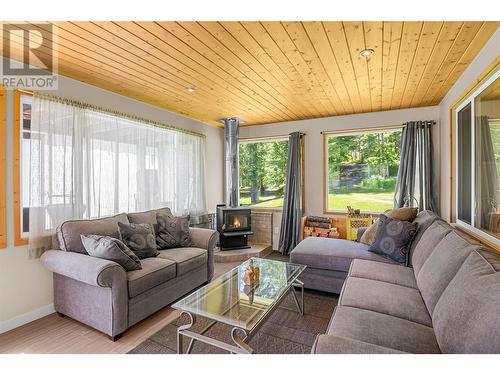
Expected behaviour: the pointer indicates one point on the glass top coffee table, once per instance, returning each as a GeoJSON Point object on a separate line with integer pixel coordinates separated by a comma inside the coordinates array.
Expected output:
{"type": "Point", "coordinates": [242, 300]}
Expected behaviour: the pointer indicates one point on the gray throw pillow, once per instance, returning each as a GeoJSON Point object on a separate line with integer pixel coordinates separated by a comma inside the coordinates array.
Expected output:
{"type": "Point", "coordinates": [173, 232]}
{"type": "Point", "coordinates": [110, 248]}
{"type": "Point", "coordinates": [393, 239]}
{"type": "Point", "coordinates": [140, 238]}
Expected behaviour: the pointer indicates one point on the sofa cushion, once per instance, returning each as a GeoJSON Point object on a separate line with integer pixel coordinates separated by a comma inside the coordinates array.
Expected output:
{"type": "Point", "coordinates": [324, 280]}
{"type": "Point", "coordinates": [140, 238]}
{"type": "Point", "coordinates": [441, 267]}
{"type": "Point", "coordinates": [330, 344]}
{"type": "Point", "coordinates": [148, 217]}
{"type": "Point", "coordinates": [383, 330]}
{"type": "Point", "coordinates": [403, 213]}
{"type": "Point", "coordinates": [393, 239]}
{"type": "Point", "coordinates": [173, 232]}
{"type": "Point", "coordinates": [466, 318]}
{"type": "Point", "coordinates": [155, 271]}
{"type": "Point", "coordinates": [332, 254]}
{"type": "Point", "coordinates": [386, 298]}
{"type": "Point", "coordinates": [110, 248]}
{"type": "Point", "coordinates": [69, 232]}
{"type": "Point", "coordinates": [424, 220]}
{"type": "Point", "coordinates": [428, 242]}
{"type": "Point", "coordinates": [185, 258]}
{"type": "Point", "coordinates": [390, 273]}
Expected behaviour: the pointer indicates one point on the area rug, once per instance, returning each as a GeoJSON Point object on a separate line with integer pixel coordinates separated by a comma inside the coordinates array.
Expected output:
{"type": "Point", "coordinates": [285, 332]}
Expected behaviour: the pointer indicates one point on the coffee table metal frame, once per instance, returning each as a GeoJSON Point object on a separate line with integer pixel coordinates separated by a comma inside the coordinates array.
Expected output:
{"type": "Point", "coordinates": [240, 336]}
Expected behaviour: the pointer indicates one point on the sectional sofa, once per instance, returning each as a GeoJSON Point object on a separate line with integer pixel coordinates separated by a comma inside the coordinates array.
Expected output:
{"type": "Point", "coordinates": [101, 294]}
{"type": "Point", "coordinates": [448, 301]}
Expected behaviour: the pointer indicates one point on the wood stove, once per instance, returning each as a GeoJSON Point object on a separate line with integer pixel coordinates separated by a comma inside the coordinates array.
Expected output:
{"type": "Point", "coordinates": [234, 225]}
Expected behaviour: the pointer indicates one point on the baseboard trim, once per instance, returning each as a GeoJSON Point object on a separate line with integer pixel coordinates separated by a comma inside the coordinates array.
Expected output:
{"type": "Point", "coordinates": [23, 319]}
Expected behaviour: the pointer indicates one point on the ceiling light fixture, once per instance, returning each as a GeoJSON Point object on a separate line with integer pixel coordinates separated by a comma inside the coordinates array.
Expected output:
{"type": "Point", "coordinates": [367, 52]}
{"type": "Point", "coordinates": [190, 89]}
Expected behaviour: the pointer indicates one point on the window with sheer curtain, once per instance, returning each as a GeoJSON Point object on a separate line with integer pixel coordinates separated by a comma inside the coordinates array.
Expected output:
{"type": "Point", "coordinates": [88, 163]}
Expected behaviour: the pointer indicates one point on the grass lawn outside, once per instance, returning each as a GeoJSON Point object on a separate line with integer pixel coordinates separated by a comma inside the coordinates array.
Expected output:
{"type": "Point", "coordinates": [265, 202]}
{"type": "Point", "coordinates": [365, 201]}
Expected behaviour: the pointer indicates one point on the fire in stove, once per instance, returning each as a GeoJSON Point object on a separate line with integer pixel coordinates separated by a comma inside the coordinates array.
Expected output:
{"type": "Point", "coordinates": [236, 223]}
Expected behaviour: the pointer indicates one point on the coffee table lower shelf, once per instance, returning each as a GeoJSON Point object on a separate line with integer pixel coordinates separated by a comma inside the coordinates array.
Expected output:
{"type": "Point", "coordinates": [240, 336]}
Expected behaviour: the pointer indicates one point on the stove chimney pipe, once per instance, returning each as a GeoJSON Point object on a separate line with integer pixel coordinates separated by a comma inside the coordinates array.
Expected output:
{"type": "Point", "coordinates": [231, 161]}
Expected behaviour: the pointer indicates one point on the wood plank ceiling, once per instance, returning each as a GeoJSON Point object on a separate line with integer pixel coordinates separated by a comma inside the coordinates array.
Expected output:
{"type": "Point", "coordinates": [267, 72]}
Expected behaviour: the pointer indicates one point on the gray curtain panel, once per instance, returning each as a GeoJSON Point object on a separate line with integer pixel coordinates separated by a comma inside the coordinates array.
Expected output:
{"type": "Point", "coordinates": [487, 176]}
{"type": "Point", "coordinates": [292, 208]}
{"type": "Point", "coordinates": [416, 184]}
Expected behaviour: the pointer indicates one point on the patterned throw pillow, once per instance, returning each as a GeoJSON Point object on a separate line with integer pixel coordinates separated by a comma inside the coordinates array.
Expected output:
{"type": "Point", "coordinates": [173, 232]}
{"type": "Point", "coordinates": [140, 238]}
{"type": "Point", "coordinates": [110, 248]}
{"type": "Point", "coordinates": [403, 213]}
{"type": "Point", "coordinates": [393, 239]}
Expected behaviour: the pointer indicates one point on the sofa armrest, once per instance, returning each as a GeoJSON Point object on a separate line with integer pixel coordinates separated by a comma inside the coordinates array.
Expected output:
{"type": "Point", "coordinates": [329, 344]}
{"type": "Point", "coordinates": [206, 239]}
{"type": "Point", "coordinates": [360, 232]}
{"type": "Point", "coordinates": [91, 290]}
{"type": "Point", "coordinates": [84, 268]}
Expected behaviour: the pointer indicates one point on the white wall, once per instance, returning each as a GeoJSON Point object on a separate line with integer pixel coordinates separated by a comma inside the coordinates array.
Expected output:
{"type": "Point", "coordinates": [25, 286]}
{"type": "Point", "coordinates": [314, 141]}
{"type": "Point", "coordinates": [486, 56]}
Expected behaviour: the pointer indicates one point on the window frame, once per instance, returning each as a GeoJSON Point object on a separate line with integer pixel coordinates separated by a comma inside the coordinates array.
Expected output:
{"type": "Point", "coordinates": [3, 204]}
{"type": "Point", "coordinates": [470, 98]}
{"type": "Point", "coordinates": [19, 238]}
{"type": "Point", "coordinates": [340, 133]}
{"type": "Point", "coordinates": [302, 166]}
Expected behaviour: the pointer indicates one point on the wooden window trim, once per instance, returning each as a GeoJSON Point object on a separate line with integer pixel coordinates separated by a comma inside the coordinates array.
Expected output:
{"type": "Point", "coordinates": [327, 134]}
{"type": "Point", "coordinates": [18, 239]}
{"type": "Point", "coordinates": [476, 236]}
{"type": "Point", "coordinates": [302, 173]}
{"type": "Point", "coordinates": [325, 174]}
{"type": "Point", "coordinates": [483, 77]}
{"type": "Point", "coordinates": [3, 179]}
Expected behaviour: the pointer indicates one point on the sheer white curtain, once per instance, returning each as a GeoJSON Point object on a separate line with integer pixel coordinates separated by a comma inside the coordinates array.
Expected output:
{"type": "Point", "coordinates": [86, 164]}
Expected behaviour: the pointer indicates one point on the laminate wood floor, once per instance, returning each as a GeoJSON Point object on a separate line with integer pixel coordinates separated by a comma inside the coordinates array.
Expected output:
{"type": "Point", "coordinates": [55, 335]}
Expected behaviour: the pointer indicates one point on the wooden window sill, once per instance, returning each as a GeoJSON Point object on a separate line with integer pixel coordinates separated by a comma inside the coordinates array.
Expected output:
{"type": "Point", "coordinates": [475, 236]}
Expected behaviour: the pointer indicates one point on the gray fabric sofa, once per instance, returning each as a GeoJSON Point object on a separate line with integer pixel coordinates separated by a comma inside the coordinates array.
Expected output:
{"type": "Point", "coordinates": [328, 259]}
{"type": "Point", "coordinates": [447, 302]}
{"type": "Point", "coordinates": [101, 294]}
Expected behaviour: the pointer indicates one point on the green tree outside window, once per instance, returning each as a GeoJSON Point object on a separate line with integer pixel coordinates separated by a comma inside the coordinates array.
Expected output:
{"type": "Point", "coordinates": [263, 172]}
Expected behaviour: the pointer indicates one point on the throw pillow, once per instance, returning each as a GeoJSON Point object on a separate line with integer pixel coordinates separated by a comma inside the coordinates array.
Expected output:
{"type": "Point", "coordinates": [393, 239]}
{"type": "Point", "coordinates": [403, 213]}
{"type": "Point", "coordinates": [110, 248]}
{"type": "Point", "coordinates": [173, 232]}
{"type": "Point", "coordinates": [140, 238]}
